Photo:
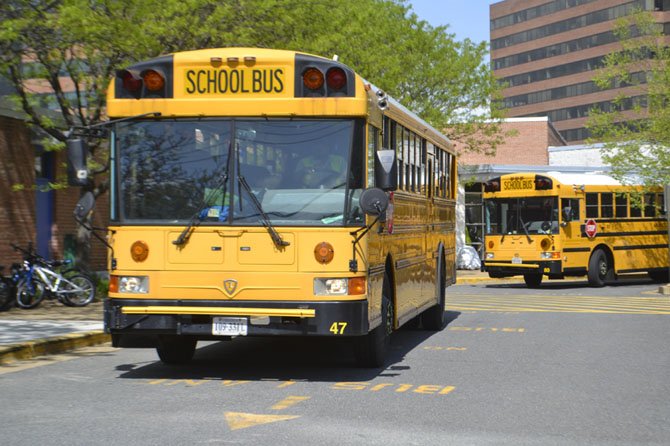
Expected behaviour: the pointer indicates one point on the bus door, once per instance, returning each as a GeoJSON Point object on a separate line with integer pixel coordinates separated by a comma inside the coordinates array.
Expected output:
{"type": "Point", "coordinates": [574, 248]}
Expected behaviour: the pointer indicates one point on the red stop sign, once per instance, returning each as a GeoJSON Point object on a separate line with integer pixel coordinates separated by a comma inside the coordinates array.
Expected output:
{"type": "Point", "coordinates": [590, 228]}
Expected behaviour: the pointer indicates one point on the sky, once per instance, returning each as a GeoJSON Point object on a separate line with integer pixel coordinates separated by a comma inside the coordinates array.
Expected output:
{"type": "Point", "coordinates": [466, 18]}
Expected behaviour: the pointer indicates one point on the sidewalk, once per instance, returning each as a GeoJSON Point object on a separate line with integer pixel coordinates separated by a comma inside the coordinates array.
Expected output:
{"type": "Point", "coordinates": [54, 328]}
{"type": "Point", "coordinates": [49, 329]}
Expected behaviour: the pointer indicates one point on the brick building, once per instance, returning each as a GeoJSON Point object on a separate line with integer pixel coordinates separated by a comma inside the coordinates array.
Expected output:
{"type": "Point", "coordinates": [546, 52]}
{"type": "Point", "coordinates": [527, 143]}
{"type": "Point", "coordinates": [29, 211]}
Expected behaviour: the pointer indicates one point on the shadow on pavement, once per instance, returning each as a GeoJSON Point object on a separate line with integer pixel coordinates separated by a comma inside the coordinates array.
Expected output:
{"type": "Point", "coordinates": [283, 359]}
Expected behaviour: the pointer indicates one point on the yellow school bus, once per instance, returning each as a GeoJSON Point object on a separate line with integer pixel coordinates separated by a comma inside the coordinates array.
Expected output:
{"type": "Point", "coordinates": [557, 225]}
{"type": "Point", "coordinates": [260, 192]}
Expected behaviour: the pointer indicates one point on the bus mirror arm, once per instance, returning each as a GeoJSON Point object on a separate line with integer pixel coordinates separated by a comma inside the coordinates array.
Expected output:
{"type": "Point", "coordinates": [358, 235]}
{"type": "Point", "coordinates": [81, 212]}
{"type": "Point", "coordinates": [373, 201]}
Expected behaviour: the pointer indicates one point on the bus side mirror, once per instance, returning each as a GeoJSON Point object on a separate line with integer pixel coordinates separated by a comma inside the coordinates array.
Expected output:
{"type": "Point", "coordinates": [85, 205]}
{"type": "Point", "coordinates": [374, 201]}
{"type": "Point", "coordinates": [77, 155]}
{"type": "Point", "coordinates": [386, 170]}
{"type": "Point", "coordinates": [567, 216]}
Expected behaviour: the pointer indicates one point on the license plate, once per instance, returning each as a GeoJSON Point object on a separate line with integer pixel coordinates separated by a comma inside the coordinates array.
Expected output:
{"type": "Point", "coordinates": [517, 260]}
{"type": "Point", "coordinates": [229, 326]}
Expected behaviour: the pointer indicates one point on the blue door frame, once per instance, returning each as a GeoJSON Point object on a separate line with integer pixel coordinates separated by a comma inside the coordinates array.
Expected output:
{"type": "Point", "coordinates": [44, 203]}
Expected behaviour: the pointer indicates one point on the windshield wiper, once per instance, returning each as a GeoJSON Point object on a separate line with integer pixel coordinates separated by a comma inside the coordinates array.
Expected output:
{"type": "Point", "coordinates": [279, 242]}
{"type": "Point", "coordinates": [196, 217]}
{"type": "Point", "coordinates": [525, 229]}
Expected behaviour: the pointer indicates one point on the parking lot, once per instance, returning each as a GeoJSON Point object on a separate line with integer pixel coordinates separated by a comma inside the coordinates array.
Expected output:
{"type": "Point", "coordinates": [565, 364]}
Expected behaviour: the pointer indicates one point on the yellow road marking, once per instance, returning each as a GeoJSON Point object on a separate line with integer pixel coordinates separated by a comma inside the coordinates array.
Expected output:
{"type": "Point", "coordinates": [560, 304]}
{"type": "Point", "coordinates": [289, 401]}
{"type": "Point", "coordinates": [239, 420]}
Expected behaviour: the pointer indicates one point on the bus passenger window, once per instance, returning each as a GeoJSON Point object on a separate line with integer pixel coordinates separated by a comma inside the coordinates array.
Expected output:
{"type": "Point", "coordinates": [649, 205]}
{"type": "Point", "coordinates": [592, 205]}
{"type": "Point", "coordinates": [621, 205]}
{"type": "Point", "coordinates": [606, 210]}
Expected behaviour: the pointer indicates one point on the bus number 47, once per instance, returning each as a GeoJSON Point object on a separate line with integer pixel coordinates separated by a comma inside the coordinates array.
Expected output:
{"type": "Point", "coordinates": [338, 328]}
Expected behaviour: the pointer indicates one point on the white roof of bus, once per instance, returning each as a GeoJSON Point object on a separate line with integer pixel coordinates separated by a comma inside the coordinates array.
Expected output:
{"type": "Point", "coordinates": [587, 179]}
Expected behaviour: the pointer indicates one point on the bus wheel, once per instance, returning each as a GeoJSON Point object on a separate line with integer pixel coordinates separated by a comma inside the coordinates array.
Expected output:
{"type": "Point", "coordinates": [532, 280]}
{"type": "Point", "coordinates": [435, 318]}
{"type": "Point", "coordinates": [659, 276]}
{"type": "Point", "coordinates": [370, 350]}
{"type": "Point", "coordinates": [599, 269]}
{"type": "Point", "coordinates": [175, 349]}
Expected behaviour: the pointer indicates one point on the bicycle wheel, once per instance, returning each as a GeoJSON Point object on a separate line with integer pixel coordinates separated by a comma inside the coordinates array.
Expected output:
{"type": "Point", "coordinates": [78, 291]}
{"type": "Point", "coordinates": [30, 293]}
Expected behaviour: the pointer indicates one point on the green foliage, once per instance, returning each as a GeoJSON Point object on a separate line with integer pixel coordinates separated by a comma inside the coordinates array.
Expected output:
{"type": "Point", "coordinates": [447, 82]}
{"type": "Point", "coordinates": [640, 146]}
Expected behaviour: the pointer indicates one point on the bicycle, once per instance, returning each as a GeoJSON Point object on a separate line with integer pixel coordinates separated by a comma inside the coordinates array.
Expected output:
{"type": "Point", "coordinates": [39, 280]}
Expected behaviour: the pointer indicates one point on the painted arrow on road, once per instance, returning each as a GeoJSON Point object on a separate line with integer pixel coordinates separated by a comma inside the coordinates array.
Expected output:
{"type": "Point", "coordinates": [239, 420]}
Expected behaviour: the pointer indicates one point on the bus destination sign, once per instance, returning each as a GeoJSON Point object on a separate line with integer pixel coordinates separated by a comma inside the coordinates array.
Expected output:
{"type": "Point", "coordinates": [236, 81]}
{"type": "Point", "coordinates": [518, 183]}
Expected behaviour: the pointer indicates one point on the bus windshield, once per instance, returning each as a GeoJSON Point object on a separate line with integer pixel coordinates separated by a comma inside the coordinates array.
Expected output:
{"type": "Point", "coordinates": [525, 216]}
{"type": "Point", "coordinates": [301, 172]}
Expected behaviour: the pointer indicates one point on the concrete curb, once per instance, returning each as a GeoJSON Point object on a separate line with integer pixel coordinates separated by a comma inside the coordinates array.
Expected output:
{"type": "Point", "coordinates": [51, 346]}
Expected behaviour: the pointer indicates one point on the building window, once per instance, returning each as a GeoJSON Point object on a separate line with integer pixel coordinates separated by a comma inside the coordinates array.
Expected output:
{"type": "Point", "coordinates": [592, 18]}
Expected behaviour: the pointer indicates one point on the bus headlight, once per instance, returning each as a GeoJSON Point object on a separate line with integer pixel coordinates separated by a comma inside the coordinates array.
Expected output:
{"type": "Point", "coordinates": [339, 286]}
{"type": "Point", "coordinates": [133, 284]}
{"type": "Point", "coordinates": [489, 256]}
{"type": "Point", "coordinates": [550, 255]}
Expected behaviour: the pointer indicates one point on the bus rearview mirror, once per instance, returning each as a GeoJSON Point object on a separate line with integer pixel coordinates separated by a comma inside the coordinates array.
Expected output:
{"type": "Point", "coordinates": [77, 156]}
{"type": "Point", "coordinates": [386, 170]}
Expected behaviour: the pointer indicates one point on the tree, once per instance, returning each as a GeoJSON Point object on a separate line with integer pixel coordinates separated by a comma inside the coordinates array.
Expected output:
{"type": "Point", "coordinates": [636, 139]}
{"type": "Point", "coordinates": [75, 46]}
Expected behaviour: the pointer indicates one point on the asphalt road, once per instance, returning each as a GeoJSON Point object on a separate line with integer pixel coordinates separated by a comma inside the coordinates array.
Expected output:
{"type": "Point", "coordinates": [562, 365]}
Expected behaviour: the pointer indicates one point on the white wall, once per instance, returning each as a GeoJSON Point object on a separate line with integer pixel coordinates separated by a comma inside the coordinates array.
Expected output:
{"type": "Point", "coordinates": [583, 155]}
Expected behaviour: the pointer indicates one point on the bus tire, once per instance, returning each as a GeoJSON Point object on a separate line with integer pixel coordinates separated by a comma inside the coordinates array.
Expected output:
{"type": "Point", "coordinates": [176, 349]}
{"type": "Point", "coordinates": [659, 276]}
{"type": "Point", "coordinates": [370, 350]}
{"type": "Point", "coordinates": [435, 318]}
{"type": "Point", "coordinates": [600, 269]}
{"type": "Point", "coordinates": [533, 280]}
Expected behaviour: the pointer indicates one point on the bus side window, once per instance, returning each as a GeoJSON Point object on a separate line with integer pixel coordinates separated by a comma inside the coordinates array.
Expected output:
{"type": "Point", "coordinates": [570, 209]}
{"type": "Point", "coordinates": [592, 205]}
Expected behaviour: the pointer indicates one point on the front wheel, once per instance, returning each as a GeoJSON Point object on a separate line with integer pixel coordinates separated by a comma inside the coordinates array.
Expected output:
{"type": "Point", "coordinates": [176, 349]}
{"type": "Point", "coordinates": [600, 269]}
{"type": "Point", "coordinates": [29, 293]}
{"type": "Point", "coordinates": [370, 350]}
{"type": "Point", "coordinates": [533, 280]}
{"type": "Point", "coordinates": [78, 291]}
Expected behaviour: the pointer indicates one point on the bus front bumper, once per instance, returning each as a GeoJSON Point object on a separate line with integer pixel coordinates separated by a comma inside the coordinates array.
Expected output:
{"type": "Point", "coordinates": [507, 268]}
{"type": "Point", "coordinates": [138, 323]}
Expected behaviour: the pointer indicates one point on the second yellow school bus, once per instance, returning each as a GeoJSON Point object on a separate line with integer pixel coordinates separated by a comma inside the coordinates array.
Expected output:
{"type": "Point", "coordinates": [557, 225]}
{"type": "Point", "coordinates": [260, 192]}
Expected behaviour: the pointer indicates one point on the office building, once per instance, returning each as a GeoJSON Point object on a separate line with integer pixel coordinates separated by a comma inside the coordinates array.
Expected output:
{"type": "Point", "coordinates": [547, 51]}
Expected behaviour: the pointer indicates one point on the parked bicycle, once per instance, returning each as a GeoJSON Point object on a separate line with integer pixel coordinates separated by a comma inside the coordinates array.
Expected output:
{"type": "Point", "coordinates": [38, 279]}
